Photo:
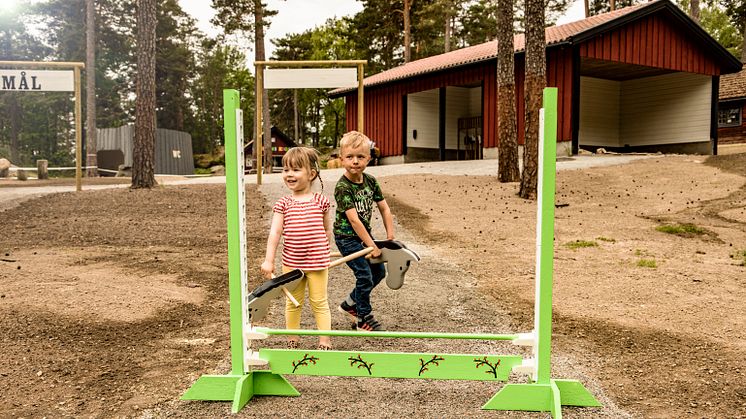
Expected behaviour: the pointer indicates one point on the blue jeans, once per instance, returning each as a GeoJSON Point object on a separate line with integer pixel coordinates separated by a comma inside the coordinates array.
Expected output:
{"type": "Point", "coordinates": [367, 275]}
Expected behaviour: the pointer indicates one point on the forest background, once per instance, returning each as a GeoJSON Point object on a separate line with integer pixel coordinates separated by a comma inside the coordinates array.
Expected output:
{"type": "Point", "coordinates": [192, 68]}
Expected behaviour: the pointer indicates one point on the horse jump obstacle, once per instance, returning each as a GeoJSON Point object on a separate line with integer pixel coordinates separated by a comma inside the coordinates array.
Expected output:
{"type": "Point", "coordinates": [245, 381]}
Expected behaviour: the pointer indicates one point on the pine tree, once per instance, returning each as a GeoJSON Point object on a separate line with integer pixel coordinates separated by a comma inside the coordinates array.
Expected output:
{"type": "Point", "coordinates": [143, 156]}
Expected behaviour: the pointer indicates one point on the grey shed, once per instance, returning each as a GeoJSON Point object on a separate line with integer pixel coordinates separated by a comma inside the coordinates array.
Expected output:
{"type": "Point", "coordinates": [173, 149]}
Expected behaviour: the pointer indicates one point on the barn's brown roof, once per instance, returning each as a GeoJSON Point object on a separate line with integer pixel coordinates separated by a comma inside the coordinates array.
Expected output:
{"type": "Point", "coordinates": [488, 50]}
{"type": "Point", "coordinates": [733, 86]}
{"type": "Point", "coordinates": [570, 32]}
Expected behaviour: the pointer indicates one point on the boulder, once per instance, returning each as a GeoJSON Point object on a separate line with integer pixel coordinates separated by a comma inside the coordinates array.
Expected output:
{"type": "Point", "coordinates": [4, 167]}
{"type": "Point", "coordinates": [124, 171]}
{"type": "Point", "coordinates": [217, 170]}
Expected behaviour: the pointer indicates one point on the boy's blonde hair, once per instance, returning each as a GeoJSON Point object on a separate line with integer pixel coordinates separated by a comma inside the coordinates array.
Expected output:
{"type": "Point", "coordinates": [355, 139]}
{"type": "Point", "coordinates": [303, 158]}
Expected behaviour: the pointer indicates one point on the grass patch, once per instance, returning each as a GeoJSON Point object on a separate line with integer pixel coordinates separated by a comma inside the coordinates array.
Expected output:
{"type": "Point", "coordinates": [684, 230]}
{"type": "Point", "coordinates": [577, 244]}
{"type": "Point", "coordinates": [647, 263]}
{"type": "Point", "coordinates": [202, 171]}
{"type": "Point", "coordinates": [606, 239]}
{"type": "Point", "coordinates": [740, 256]}
{"type": "Point", "coordinates": [642, 253]}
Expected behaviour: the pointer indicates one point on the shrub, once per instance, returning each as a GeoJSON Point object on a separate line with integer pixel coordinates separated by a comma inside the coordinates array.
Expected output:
{"type": "Point", "coordinates": [606, 239]}
{"type": "Point", "coordinates": [740, 256]}
{"type": "Point", "coordinates": [577, 244]}
{"type": "Point", "coordinates": [647, 263]}
{"type": "Point", "coordinates": [684, 230]}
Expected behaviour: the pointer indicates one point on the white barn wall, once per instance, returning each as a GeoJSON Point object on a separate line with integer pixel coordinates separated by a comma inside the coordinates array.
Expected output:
{"type": "Point", "coordinates": [599, 112]}
{"type": "Point", "coordinates": [422, 115]}
{"type": "Point", "coordinates": [475, 101]}
{"type": "Point", "coordinates": [667, 109]}
{"type": "Point", "coordinates": [458, 105]}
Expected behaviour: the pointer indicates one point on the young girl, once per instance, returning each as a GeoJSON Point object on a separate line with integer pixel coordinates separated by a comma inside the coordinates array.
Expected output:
{"type": "Point", "coordinates": [303, 219]}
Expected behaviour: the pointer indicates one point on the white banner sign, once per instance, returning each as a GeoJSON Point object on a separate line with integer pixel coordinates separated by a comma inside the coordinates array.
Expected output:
{"type": "Point", "coordinates": [37, 81]}
{"type": "Point", "coordinates": [302, 78]}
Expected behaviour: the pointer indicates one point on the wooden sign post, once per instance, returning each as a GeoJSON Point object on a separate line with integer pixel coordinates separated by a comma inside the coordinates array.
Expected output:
{"type": "Point", "coordinates": [25, 76]}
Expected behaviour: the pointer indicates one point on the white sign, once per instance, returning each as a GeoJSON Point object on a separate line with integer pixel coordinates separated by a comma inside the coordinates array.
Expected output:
{"type": "Point", "coordinates": [302, 78]}
{"type": "Point", "coordinates": [37, 81]}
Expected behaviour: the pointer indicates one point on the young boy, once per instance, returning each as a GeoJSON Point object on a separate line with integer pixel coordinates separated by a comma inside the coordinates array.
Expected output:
{"type": "Point", "coordinates": [355, 194]}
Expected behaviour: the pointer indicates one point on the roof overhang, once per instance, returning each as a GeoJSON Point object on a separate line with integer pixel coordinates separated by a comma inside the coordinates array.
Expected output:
{"type": "Point", "coordinates": [729, 63]}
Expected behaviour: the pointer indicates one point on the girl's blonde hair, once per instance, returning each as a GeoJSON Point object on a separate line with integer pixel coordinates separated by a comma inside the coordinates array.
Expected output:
{"type": "Point", "coordinates": [304, 158]}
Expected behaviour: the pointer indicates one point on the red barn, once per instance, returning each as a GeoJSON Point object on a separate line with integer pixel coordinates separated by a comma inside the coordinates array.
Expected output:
{"type": "Point", "coordinates": [731, 122]}
{"type": "Point", "coordinates": [644, 77]}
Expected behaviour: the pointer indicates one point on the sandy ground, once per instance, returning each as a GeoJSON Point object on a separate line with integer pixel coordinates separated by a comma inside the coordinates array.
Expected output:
{"type": "Point", "coordinates": [113, 301]}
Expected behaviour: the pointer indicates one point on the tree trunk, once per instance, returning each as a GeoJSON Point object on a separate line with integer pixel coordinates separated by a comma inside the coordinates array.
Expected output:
{"type": "Point", "coordinates": [694, 10]}
{"type": "Point", "coordinates": [90, 87]}
{"type": "Point", "coordinates": [335, 141]}
{"type": "Point", "coordinates": [447, 36]}
{"type": "Point", "coordinates": [507, 162]}
{"type": "Point", "coordinates": [612, 5]}
{"type": "Point", "coordinates": [534, 84]}
{"type": "Point", "coordinates": [743, 45]}
{"type": "Point", "coordinates": [15, 129]}
{"type": "Point", "coordinates": [143, 156]}
{"type": "Point", "coordinates": [587, 8]}
{"type": "Point", "coordinates": [295, 113]}
{"type": "Point", "coordinates": [407, 31]}
{"type": "Point", "coordinates": [259, 55]}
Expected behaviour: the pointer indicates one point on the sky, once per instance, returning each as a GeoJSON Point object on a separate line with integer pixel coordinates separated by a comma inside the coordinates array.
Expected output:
{"type": "Point", "coordinates": [294, 16]}
{"type": "Point", "coordinates": [297, 16]}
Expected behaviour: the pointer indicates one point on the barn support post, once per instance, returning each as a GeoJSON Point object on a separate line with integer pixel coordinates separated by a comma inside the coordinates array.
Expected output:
{"type": "Point", "coordinates": [442, 123]}
{"type": "Point", "coordinates": [714, 115]}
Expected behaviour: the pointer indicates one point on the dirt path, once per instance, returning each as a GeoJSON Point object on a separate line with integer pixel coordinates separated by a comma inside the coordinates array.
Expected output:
{"type": "Point", "coordinates": [85, 335]}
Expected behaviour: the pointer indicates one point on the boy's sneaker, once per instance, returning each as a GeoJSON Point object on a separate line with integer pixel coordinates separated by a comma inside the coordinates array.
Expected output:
{"type": "Point", "coordinates": [369, 324]}
{"type": "Point", "coordinates": [348, 309]}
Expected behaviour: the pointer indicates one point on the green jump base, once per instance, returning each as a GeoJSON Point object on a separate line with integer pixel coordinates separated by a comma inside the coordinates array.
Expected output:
{"type": "Point", "coordinates": [542, 397]}
{"type": "Point", "coordinates": [239, 388]}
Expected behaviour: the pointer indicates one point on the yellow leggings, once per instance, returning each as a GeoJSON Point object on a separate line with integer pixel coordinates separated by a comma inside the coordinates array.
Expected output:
{"type": "Point", "coordinates": [317, 282]}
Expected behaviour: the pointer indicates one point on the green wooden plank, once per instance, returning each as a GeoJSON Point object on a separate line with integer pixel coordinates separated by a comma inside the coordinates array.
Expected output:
{"type": "Point", "coordinates": [575, 394]}
{"type": "Point", "coordinates": [391, 364]}
{"type": "Point", "coordinates": [243, 393]}
{"type": "Point", "coordinates": [545, 236]}
{"type": "Point", "coordinates": [527, 397]}
{"type": "Point", "coordinates": [267, 383]}
{"type": "Point", "coordinates": [212, 387]}
{"type": "Point", "coordinates": [234, 196]}
{"type": "Point", "coordinates": [388, 334]}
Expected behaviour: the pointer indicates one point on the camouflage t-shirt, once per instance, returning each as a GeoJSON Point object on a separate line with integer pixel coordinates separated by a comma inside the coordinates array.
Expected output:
{"type": "Point", "coordinates": [360, 196]}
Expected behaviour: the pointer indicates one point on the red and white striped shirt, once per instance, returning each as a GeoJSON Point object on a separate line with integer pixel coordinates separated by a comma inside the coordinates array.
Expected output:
{"type": "Point", "coordinates": [306, 245]}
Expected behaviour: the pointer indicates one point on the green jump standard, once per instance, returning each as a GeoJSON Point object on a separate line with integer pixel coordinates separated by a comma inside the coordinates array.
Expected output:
{"type": "Point", "coordinates": [243, 382]}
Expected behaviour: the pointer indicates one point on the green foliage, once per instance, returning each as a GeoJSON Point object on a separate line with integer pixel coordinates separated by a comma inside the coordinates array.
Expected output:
{"type": "Point", "coordinates": [578, 244]}
{"type": "Point", "coordinates": [237, 16]}
{"type": "Point", "coordinates": [606, 239]}
{"type": "Point", "coordinates": [218, 67]}
{"type": "Point", "coordinates": [715, 19]}
{"type": "Point", "coordinates": [175, 64]}
{"type": "Point", "coordinates": [596, 7]}
{"type": "Point", "coordinates": [321, 120]}
{"type": "Point", "coordinates": [647, 263]}
{"type": "Point", "coordinates": [684, 230]}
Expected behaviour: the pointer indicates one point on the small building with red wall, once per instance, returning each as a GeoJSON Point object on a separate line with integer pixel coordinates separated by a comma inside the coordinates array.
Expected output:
{"type": "Point", "coordinates": [732, 108]}
{"type": "Point", "coordinates": [641, 78]}
{"type": "Point", "coordinates": [281, 143]}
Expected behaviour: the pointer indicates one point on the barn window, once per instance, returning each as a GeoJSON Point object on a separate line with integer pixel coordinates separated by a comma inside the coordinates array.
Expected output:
{"type": "Point", "coordinates": [729, 116]}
